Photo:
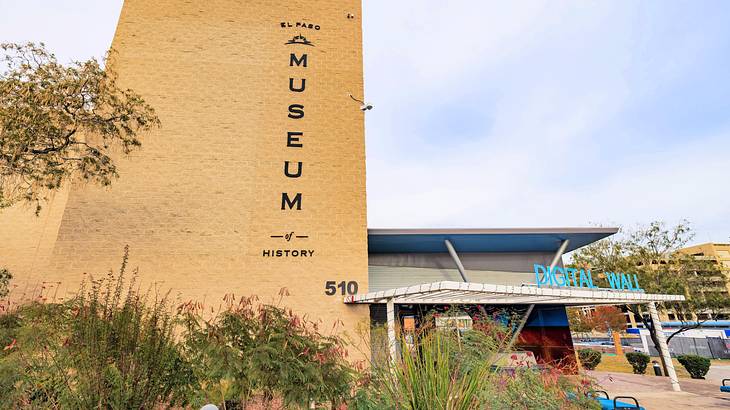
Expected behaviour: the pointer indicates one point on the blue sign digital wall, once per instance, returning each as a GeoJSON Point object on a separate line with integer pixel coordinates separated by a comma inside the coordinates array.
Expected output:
{"type": "Point", "coordinates": [581, 278]}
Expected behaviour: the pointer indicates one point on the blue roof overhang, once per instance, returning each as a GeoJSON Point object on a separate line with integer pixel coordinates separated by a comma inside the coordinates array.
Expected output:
{"type": "Point", "coordinates": [482, 240]}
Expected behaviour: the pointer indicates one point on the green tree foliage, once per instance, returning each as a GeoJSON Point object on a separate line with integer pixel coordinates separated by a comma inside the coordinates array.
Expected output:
{"type": "Point", "coordinates": [652, 252]}
{"type": "Point", "coordinates": [697, 366]}
{"type": "Point", "coordinates": [110, 347]}
{"type": "Point", "coordinates": [252, 351]}
{"type": "Point", "coordinates": [58, 122]}
{"type": "Point", "coordinates": [589, 359]}
{"type": "Point", "coordinates": [638, 361]}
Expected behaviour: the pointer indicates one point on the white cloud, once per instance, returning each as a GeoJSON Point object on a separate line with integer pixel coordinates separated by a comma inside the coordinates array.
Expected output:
{"type": "Point", "coordinates": [505, 113]}
{"type": "Point", "coordinates": [554, 79]}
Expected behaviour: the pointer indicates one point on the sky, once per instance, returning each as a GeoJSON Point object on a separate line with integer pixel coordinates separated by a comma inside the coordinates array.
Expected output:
{"type": "Point", "coordinates": [516, 114]}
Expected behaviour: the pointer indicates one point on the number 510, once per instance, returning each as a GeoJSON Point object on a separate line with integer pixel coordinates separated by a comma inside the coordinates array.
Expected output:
{"type": "Point", "coordinates": [345, 288]}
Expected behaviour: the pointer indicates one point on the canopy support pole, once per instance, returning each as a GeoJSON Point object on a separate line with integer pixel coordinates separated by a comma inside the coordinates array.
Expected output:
{"type": "Point", "coordinates": [522, 324]}
{"type": "Point", "coordinates": [456, 259]}
{"type": "Point", "coordinates": [559, 253]}
{"type": "Point", "coordinates": [460, 267]}
{"type": "Point", "coordinates": [390, 307]}
{"type": "Point", "coordinates": [663, 348]}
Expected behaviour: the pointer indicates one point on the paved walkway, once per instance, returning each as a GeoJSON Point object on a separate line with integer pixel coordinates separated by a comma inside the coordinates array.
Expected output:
{"type": "Point", "coordinates": [656, 392]}
{"type": "Point", "coordinates": [718, 372]}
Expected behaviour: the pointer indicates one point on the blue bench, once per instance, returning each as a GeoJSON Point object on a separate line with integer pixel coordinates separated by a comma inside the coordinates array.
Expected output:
{"type": "Point", "coordinates": [608, 404]}
{"type": "Point", "coordinates": [725, 388]}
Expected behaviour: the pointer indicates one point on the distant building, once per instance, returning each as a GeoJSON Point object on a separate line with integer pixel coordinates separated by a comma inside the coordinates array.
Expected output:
{"type": "Point", "coordinates": [720, 254]}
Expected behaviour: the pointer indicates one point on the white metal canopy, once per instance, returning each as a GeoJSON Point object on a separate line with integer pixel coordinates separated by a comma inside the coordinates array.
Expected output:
{"type": "Point", "coordinates": [448, 292]}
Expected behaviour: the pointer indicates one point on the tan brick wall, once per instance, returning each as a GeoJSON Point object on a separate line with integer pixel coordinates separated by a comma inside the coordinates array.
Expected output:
{"type": "Point", "coordinates": [27, 240]}
{"type": "Point", "coordinates": [199, 202]}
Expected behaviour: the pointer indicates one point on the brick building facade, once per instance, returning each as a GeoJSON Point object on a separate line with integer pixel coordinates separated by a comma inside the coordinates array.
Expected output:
{"type": "Point", "coordinates": [256, 180]}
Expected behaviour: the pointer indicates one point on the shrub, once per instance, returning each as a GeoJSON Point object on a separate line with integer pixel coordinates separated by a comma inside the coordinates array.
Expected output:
{"type": "Point", "coordinates": [107, 346]}
{"type": "Point", "coordinates": [253, 352]}
{"type": "Point", "coordinates": [476, 348]}
{"type": "Point", "coordinates": [10, 326]}
{"type": "Point", "coordinates": [547, 389]}
{"type": "Point", "coordinates": [439, 370]}
{"type": "Point", "coordinates": [428, 376]}
{"type": "Point", "coordinates": [589, 359]}
{"type": "Point", "coordinates": [638, 361]}
{"type": "Point", "coordinates": [111, 347]}
{"type": "Point", "coordinates": [697, 366]}
{"type": "Point", "coordinates": [447, 370]}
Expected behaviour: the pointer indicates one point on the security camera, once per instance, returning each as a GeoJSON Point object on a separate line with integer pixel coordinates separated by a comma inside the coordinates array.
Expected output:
{"type": "Point", "coordinates": [363, 105]}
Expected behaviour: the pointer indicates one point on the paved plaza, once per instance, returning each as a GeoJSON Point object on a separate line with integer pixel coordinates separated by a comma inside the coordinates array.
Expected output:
{"type": "Point", "coordinates": [656, 392]}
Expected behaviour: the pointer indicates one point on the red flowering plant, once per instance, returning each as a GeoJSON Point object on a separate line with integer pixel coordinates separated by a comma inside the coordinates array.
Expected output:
{"type": "Point", "coordinates": [250, 352]}
{"type": "Point", "coordinates": [107, 345]}
{"type": "Point", "coordinates": [547, 388]}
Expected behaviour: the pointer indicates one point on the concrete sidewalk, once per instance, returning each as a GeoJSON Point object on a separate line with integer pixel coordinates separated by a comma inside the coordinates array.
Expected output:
{"type": "Point", "coordinates": [718, 372]}
{"type": "Point", "coordinates": [656, 392]}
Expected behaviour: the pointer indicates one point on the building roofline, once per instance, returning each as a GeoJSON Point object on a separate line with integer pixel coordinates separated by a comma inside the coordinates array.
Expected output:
{"type": "Point", "coordinates": [706, 244]}
{"type": "Point", "coordinates": [489, 231]}
{"type": "Point", "coordinates": [470, 240]}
